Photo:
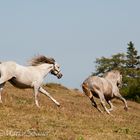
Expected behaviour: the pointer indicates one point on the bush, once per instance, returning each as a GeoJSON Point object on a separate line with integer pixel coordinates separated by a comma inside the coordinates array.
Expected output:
{"type": "Point", "coordinates": [132, 91]}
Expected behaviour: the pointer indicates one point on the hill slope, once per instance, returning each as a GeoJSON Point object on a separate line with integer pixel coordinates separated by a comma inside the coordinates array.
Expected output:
{"type": "Point", "coordinates": [76, 119]}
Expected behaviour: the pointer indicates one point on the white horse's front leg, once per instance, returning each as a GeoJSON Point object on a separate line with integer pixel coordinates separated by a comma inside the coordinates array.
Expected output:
{"type": "Point", "coordinates": [36, 96]}
{"type": "Point", "coordinates": [48, 94]}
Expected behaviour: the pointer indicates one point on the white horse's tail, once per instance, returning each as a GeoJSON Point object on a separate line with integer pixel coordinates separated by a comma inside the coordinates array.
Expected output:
{"type": "Point", "coordinates": [0, 72]}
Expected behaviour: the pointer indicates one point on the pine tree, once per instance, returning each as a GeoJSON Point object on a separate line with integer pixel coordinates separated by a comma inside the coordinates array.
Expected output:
{"type": "Point", "coordinates": [133, 60]}
{"type": "Point", "coordinates": [104, 64]}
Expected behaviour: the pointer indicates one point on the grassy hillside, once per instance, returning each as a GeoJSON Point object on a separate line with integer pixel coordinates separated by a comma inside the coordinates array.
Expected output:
{"type": "Point", "coordinates": [76, 119]}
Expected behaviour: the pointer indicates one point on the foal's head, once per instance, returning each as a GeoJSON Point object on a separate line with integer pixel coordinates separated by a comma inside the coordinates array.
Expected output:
{"type": "Point", "coordinates": [116, 76]}
{"type": "Point", "coordinates": [119, 80]}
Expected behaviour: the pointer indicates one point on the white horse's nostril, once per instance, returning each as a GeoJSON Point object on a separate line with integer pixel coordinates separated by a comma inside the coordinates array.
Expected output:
{"type": "Point", "coordinates": [59, 75]}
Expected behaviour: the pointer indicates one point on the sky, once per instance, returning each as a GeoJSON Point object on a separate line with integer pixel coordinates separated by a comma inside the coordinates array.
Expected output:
{"type": "Point", "coordinates": [74, 32]}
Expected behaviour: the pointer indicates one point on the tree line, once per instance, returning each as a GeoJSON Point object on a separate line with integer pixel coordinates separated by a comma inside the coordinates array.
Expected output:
{"type": "Point", "coordinates": [128, 64]}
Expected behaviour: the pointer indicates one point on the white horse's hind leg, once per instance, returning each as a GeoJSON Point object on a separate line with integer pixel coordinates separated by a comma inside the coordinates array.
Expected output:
{"type": "Point", "coordinates": [3, 80]}
{"type": "Point", "coordinates": [1, 88]}
{"type": "Point", "coordinates": [48, 94]}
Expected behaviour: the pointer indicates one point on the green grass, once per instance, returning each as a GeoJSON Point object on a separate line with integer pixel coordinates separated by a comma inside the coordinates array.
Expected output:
{"type": "Point", "coordinates": [76, 119]}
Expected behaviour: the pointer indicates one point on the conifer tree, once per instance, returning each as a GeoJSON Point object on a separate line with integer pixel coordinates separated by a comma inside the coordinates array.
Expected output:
{"type": "Point", "coordinates": [133, 60]}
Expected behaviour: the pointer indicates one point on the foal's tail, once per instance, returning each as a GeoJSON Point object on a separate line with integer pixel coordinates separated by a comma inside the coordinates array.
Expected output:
{"type": "Point", "coordinates": [86, 90]}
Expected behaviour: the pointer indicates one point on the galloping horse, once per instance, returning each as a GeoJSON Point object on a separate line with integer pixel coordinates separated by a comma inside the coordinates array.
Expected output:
{"type": "Point", "coordinates": [105, 88]}
{"type": "Point", "coordinates": [30, 76]}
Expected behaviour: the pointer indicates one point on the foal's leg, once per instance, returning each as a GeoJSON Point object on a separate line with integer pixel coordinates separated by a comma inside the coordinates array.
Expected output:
{"type": "Point", "coordinates": [102, 98]}
{"type": "Point", "coordinates": [111, 105]}
{"type": "Point", "coordinates": [95, 105]}
{"type": "Point", "coordinates": [48, 94]}
{"type": "Point", "coordinates": [119, 96]}
{"type": "Point", "coordinates": [90, 95]}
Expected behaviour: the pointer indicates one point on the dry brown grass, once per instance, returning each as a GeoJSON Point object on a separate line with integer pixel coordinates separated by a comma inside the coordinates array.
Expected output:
{"type": "Point", "coordinates": [76, 119]}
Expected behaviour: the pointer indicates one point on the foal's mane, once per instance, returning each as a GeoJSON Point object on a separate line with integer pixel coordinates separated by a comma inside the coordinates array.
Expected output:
{"type": "Point", "coordinates": [112, 73]}
{"type": "Point", "coordinates": [41, 59]}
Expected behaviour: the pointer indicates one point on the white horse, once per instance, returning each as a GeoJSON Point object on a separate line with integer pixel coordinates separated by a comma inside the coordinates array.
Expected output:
{"type": "Point", "coordinates": [31, 76]}
{"type": "Point", "coordinates": [105, 88]}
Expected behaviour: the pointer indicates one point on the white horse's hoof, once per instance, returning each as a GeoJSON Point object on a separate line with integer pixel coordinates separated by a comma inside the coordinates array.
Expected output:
{"type": "Point", "coordinates": [38, 106]}
{"type": "Point", "coordinates": [58, 104]}
{"type": "Point", "coordinates": [111, 109]}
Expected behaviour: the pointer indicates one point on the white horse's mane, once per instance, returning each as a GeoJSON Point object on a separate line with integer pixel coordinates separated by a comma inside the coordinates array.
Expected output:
{"type": "Point", "coordinates": [40, 59]}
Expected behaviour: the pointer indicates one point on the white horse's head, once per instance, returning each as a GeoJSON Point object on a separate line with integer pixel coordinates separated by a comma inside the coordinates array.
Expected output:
{"type": "Point", "coordinates": [38, 60]}
{"type": "Point", "coordinates": [119, 80]}
{"type": "Point", "coordinates": [56, 70]}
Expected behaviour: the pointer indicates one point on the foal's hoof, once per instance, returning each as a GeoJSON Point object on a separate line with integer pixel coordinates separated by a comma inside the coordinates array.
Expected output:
{"type": "Point", "coordinates": [126, 108]}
